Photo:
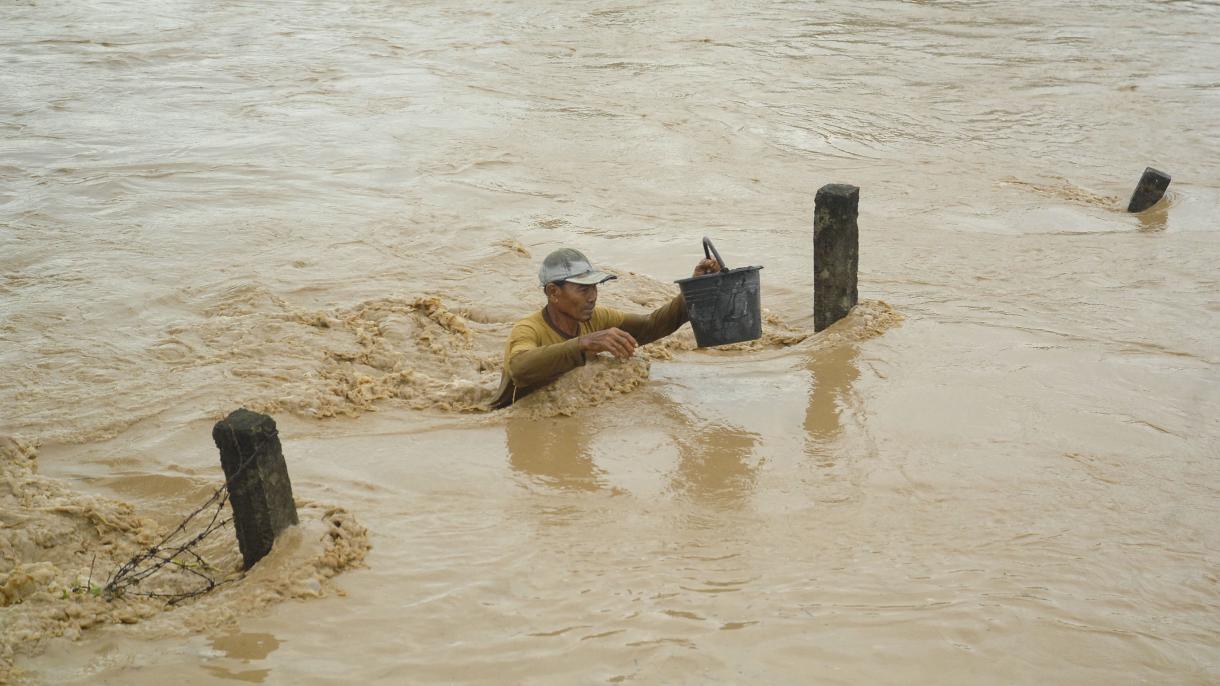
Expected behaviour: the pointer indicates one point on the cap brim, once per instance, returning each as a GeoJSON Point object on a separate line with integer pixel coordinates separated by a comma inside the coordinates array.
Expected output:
{"type": "Point", "coordinates": [590, 278]}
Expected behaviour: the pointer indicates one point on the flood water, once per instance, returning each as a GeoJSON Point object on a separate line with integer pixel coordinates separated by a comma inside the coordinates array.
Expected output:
{"type": "Point", "coordinates": [333, 212]}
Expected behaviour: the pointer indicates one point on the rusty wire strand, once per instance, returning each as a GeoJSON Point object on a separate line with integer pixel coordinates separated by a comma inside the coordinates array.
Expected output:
{"type": "Point", "coordinates": [154, 559]}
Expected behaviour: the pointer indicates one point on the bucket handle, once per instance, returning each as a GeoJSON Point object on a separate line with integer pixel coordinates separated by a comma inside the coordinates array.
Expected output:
{"type": "Point", "coordinates": [709, 250]}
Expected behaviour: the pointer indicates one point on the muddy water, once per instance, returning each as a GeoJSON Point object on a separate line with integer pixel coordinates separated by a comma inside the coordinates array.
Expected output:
{"type": "Point", "coordinates": [1003, 469]}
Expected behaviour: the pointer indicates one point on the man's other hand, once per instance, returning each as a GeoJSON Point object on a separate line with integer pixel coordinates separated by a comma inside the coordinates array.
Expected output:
{"type": "Point", "coordinates": [706, 266]}
{"type": "Point", "coordinates": [614, 341]}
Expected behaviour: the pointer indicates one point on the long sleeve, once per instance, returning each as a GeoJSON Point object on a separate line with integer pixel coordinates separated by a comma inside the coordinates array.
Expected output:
{"type": "Point", "coordinates": [530, 364]}
{"type": "Point", "coordinates": [646, 328]}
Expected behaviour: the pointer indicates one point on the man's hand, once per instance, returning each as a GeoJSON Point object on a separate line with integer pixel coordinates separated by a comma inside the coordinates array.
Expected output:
{"type": "Point", "coordinates": [614, 341]}
{"type": "Point", "coordinates": [706, 266]}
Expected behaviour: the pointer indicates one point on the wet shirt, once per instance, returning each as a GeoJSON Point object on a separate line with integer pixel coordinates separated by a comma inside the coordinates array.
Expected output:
{"type": "Point", "coordinates": [537, 352]}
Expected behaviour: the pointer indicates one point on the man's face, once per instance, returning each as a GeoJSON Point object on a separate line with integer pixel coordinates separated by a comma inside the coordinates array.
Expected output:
{"type": "Point", "coordinates": [574, 300]}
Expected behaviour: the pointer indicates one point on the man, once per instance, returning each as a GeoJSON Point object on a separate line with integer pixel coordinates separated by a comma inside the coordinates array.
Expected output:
{"type": "Point", "coordinates": [571, 329]}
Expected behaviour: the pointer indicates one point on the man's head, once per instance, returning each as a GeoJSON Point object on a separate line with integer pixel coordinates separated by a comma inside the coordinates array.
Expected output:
{"type": "Point", "coordinates": [570, 283]}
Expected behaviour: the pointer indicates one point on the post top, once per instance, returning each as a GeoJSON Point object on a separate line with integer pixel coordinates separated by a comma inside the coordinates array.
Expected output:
{"type": "Point", "coordinates": [1149, 191]}
{"type": "Point", "coordinates": [242, 419]}
{"type": "Point", "coordinates": [1149, 171]}
{"type": "Point", "coordinates": [837, 191]}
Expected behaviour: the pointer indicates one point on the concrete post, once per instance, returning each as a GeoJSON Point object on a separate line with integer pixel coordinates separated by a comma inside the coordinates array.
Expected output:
{"type": "Point", "coordinates": [1149, 190]}
{"type": "Point", "coordinates": [259, 489]}
{"type": "Point", "coordinates": [836, 253]}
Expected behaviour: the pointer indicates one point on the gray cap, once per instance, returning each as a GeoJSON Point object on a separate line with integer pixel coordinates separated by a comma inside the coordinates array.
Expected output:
{"type": "Point", "coordinates": [566, 264]}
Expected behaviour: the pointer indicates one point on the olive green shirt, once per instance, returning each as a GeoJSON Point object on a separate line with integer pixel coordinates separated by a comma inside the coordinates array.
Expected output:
{"type": "Point", "coordinates": [537, 352]}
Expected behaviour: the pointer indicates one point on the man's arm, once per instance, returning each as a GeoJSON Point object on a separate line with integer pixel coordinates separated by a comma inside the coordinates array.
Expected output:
{"type": "Point", "coordinates": [646, 328]}
{"type": "Point", "coordinates": [667, 318]}
{"type": "Point", "coordinates": [530, 363]}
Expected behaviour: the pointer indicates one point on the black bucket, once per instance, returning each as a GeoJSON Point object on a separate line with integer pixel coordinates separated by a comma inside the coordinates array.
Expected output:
{"type": "Point", "coordinates": [724, 307]}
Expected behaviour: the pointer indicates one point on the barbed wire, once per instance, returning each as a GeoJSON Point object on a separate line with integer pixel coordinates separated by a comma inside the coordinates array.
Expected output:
{"type": "Point", "coordinates": [168, 553]}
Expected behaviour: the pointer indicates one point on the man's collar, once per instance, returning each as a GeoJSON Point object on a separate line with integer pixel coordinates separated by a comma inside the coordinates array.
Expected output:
{"type": "Point", "coordinates": [546, 317]}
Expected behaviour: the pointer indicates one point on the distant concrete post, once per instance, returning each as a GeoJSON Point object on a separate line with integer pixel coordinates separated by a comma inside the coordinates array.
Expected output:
{"type": "Point", "coordinates": [259, 489]}
{"type": "Point", "coordinates": [1149, 190]}
{"type": "Point", "coordinates": [836, 253]}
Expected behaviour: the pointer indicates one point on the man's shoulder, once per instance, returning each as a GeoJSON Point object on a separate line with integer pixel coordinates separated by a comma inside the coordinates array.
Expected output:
{"type": "Point", "coordinates": [533, 329]}
{"type": "Point", "coordinates": [533, 323]}
{"type": "Point", "coordinates": [534, 319]}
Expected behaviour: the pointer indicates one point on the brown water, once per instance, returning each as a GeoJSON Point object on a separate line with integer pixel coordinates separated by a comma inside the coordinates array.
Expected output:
{"type": "Point", "coordinates": [1003, 468]}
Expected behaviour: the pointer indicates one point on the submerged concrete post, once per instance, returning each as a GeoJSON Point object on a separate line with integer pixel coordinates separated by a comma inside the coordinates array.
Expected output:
{"type": "Point", "coordinates": [259, 489]}
{"type": "Point", "coordinates": [1149, 190]}
{"type": "Point", "coordinates": [836, 253]}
